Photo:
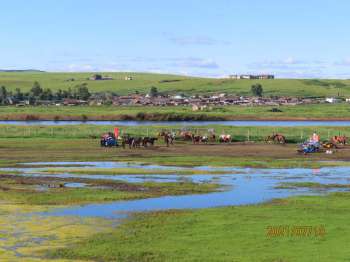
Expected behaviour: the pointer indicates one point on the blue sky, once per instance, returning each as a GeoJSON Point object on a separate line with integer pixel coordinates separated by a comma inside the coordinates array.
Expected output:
{"type": "Point", "coordinates": [203, 38]}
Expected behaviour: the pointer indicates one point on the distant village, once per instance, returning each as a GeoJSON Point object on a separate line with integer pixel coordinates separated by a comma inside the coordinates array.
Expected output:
{"type": "Point", "coordinates": [196, 102]}
{"type": "Point", "coordinates": [80, 95]}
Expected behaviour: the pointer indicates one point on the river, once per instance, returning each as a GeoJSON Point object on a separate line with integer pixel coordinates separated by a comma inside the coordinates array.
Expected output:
{"type": "Point", "coordinates": [178, 123]}
{"type": "Point", "coordinates": [242, 186]}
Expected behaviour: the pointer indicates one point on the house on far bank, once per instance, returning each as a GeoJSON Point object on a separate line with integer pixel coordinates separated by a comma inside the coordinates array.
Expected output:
{"type": "Point", "coordinates": [107, 78]}
{"type": "Point", "coordinates": [332, 100]}
{"type": "Point", "coordinates": [198, 107]}
{"type": "Point", "coordinates": [263, 76]}
{"type": "Point", "coordinates": [97, 77]}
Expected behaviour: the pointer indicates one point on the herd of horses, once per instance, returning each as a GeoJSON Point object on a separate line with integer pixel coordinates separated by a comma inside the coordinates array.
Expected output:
{"type": "Point", "coordinates": [333, 142]}
{"type": "Point", "coordinates": [169, 138]}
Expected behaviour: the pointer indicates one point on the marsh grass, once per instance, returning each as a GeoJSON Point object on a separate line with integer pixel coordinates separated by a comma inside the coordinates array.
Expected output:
{"type": "Point", "coordinates": [226, 234]}
{"type": "Point", "coordinates": [290, 185]}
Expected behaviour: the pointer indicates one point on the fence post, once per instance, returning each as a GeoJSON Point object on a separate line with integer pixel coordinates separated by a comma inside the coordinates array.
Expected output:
{"type": "Point", "coordinates": [248, 135]}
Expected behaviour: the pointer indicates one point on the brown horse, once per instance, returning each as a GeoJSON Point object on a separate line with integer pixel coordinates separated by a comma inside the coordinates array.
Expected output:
{"type": "Point", "coordinates": [225, 139]}
{"type": "Point", "coordinates": [276, 138]}
{"type": "Point", "coordinates": [339, 140]}
{"type": "Point", "coordinates": [186, 135]}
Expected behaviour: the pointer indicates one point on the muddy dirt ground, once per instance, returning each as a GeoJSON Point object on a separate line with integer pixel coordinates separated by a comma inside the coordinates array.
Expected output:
{"type": "Point", "coordinates": [14, 151]}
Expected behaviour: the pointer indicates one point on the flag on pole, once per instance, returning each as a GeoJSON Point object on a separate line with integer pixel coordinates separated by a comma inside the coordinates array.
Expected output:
{"type": "Point", "coordinates": [116, 132]}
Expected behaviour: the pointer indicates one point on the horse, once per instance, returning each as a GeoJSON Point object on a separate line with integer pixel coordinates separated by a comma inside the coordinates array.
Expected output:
{"type": "Point", "coordinates": [137, 142]}
{"type": "Point", "coordinates": [276, 138]}
{"type": "Point", "coordinates": [186, 135]}
{"type": "Point", "coordinates": [339, 140]}
{"type": "Point", "coordinates": [196, 139]}
{"type": "Point", "coordinates": [225, 139]}
{"type": "Point", "coordinates": [128, 140]}
{"type": "Point", "coordinates": [212, 138]}
{"type": "Point", "coordinates": [148, 141]}
{"type": "Point", "coordinates": [168, 137]}
{"type": "Point", "coordinates": [205, 139]}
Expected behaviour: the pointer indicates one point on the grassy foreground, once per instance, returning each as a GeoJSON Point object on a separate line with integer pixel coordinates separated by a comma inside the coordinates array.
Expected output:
{"type": "Point", "coordinates": [300, 112]}
{"type": "Point", "coordinates": [229, 234]}
{"type": "Point", "coordinates": [26, 235]}
{"type": "Point", "coordinates": [174, 84]}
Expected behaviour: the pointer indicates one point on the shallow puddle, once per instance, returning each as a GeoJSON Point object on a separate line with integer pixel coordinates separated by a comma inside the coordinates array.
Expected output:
{"type": "Point", "coordinates": [242, 186]}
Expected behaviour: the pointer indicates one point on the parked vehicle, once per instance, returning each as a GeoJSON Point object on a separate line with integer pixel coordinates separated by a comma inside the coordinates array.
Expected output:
{"type": "Point", "coordinates": [108, 140]}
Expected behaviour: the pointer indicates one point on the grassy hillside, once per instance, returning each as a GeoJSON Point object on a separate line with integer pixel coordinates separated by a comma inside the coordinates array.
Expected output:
{"type": "Point", "coordinates": [175, 84]}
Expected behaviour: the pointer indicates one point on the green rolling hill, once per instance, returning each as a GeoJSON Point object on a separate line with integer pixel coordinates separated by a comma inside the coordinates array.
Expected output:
{"type": "Point", "coordinates": [142, 82]}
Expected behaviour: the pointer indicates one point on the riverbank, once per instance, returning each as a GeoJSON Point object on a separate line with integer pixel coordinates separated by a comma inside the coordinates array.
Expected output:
{"type": "Point", "coordinates": [325, 112]}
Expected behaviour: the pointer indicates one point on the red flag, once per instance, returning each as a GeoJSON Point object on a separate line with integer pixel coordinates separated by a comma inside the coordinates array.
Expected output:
{"type": "Point", "coordinates": [116, 132]}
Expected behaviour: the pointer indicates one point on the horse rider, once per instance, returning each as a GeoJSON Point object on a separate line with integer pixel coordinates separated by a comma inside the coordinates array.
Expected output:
{"type": "Point", "coordinates": [315, 139]}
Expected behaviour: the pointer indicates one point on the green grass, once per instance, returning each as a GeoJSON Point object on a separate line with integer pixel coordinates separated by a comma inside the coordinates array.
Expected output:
{"type": "Point", "coordinates": [127, 171]}
{"type": "Point", "coordinates": [67, 196]}
{"type": "Point", "coordinates": [244, 161]}
{"type": "Point", "coordinates": [239, 134]}
{"type": "Point", "coordinates": [19, 193]}
{"type": "Point", "coordinates": [227, 234]}
{"type": "Point", "coordinates": [299, 112]}
{"type": "Point", "coordinates": [289, 185]}
{"type": "Point", "coordinates": [191, 85]}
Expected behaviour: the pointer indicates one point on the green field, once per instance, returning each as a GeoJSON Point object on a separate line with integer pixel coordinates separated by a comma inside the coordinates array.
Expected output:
{"type": "Point", "coordinates": [83, 113]}
{"type": "Point", "coordinates": [229, 234]}
{"type": "Point", "coordinates": [175, 84]}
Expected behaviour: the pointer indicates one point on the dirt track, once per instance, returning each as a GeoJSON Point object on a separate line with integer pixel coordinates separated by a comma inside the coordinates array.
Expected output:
{"type": "Point", "coordinates": [235, 150]}
{"type": "Point", "coordinates": [15, 151]}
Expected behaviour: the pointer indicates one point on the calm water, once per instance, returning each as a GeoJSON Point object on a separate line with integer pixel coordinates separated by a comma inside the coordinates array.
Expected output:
{"type": "Point", "coordinates": [180, 123]}
{"type": "Point", "coordinates": [242, 186]}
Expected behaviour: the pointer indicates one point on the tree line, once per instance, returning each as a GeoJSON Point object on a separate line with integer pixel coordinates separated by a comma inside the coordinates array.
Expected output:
{"type": "Point", "coordinates": [37, 93]}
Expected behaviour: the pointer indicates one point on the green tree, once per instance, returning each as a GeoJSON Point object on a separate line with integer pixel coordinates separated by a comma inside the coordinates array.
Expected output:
{"type": "Point", "coordinates": [153, 92]}
{"type": "Point", "coordinates": [3, 95]}
{"type": "Point", "coordinates": [59, 94]}
{"type": "Point", "coordinates": [18, 94]}
{"type": "Point", "coordinates": [36, 89]}
{"type": "Point", "coordinates": [82, 92]}
{"type": "Point", "coordinates": [257, 90]}
{"type": "Point", "coordinates": [47, 94]}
